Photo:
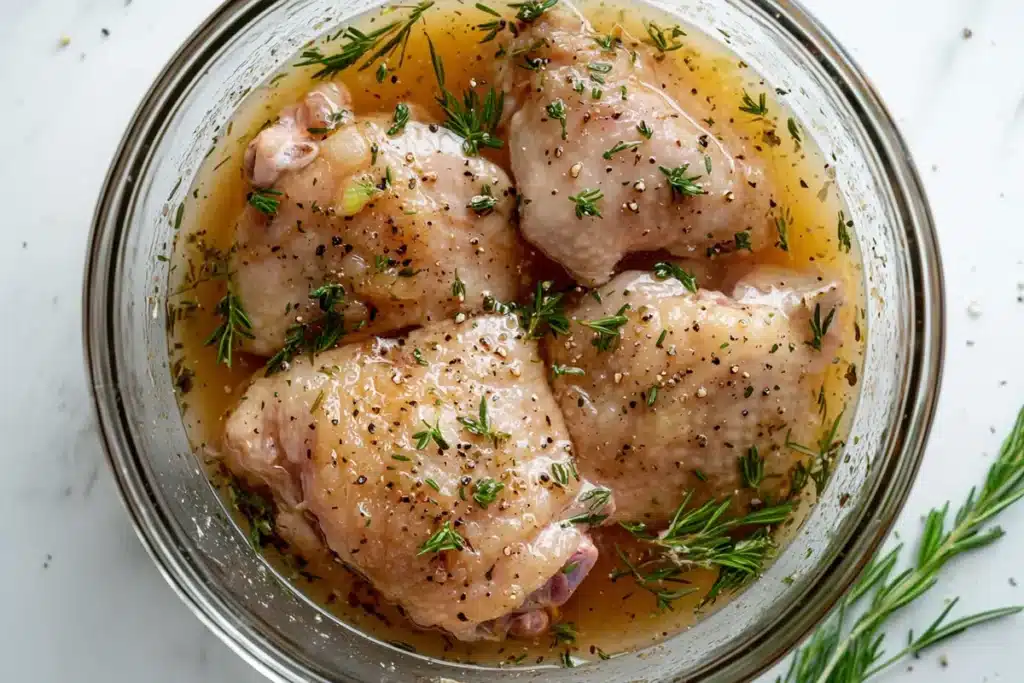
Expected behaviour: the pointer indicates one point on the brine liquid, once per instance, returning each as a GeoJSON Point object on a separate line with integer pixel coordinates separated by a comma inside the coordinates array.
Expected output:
{"type": "Point", "coordinates": [610, 615]}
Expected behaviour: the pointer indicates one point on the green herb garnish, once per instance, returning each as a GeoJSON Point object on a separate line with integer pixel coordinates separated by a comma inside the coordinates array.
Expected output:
{"type": "Point", "coordinates": [681, 184]}
{"type": "Point", "coordinates": [265, 201]}
{"type": "Point", "coordinates": [608, 329]}
{"type": "Point", "coordinates": [445, 538]}
{"type": "Point", "coordinates": [556, 111]}
{"type": "Point", "coordinates": [819, 327]}
{"type": "Point", "coordinates": [401, 118]}
{"type": "Point", "coordinates": [485, 491]}
{"type": "Point", "coordinates": [235, 325]}
{"type": "Point", "coordinates": [586, 203]}
{"type": "Point", "coordinates": [666, 269]}
{"type": "Point", "coordinates": [481, 425]}
{"type": "Point", "coordinates": [759, 108]}
{"type": "Point", "coordinates": [475, 120]}
{"type": "Point", "coordinates": [383, 42]}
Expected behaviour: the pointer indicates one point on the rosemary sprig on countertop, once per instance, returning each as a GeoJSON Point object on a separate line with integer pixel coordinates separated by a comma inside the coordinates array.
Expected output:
{"type": "Point", "coordinates": [842, 652]}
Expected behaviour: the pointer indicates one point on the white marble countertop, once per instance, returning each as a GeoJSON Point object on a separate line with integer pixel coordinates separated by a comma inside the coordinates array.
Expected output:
{"type": "Point", "coordinates": [81, 600]}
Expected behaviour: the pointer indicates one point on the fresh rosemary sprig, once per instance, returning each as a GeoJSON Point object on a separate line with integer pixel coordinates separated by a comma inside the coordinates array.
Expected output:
{"type": "Point", "coordinates": [431, 433]}
{"type": "Point", "coordinates": [819, 327]}
{"type": "Point", "coordinates": [359, 44]}
{"type": "Point", "coordinates": [664, 39]}
{"type": "Point", "coordinates": [749, 106]}
{"type": "Point", "coordinates": [703, 537]}
{"type": "Point", "coordinates": [556, 112]}
{"type": "Point", "coordinates": [481, 426]}
{"type": "Point", "coordinates": [531, 10]}
{"type": "Point", "coordinates": [483, 203]}
{"type": "Point", "coordinates": [621, 146]}
{"type": "Point", "coordinates": [841, 651]}
{"type": "Point", "coordinates": [843, 233]}
{"type": "Point", "coordinates": [665, 269]}
{"type": "Point", "coordinates": [682, 184]}
{"type": "Point", "coordinates": [317, 335]}
{"type": "Point", "coordinates": [265, 201]}
{"type": "Point", "coordinates": [485, 491]}
{"type": "Point", "coordinates": [819, 469]}
{"type": "Point", "coordinates": [401, 118]}
{"type": "Point", "coordinates": [234, 324]}
{"type": "Point", "coordinates": [475, 120]}
{"type": "Point", "coordinates": [544, 311]}
{"type": "Point", "coordinates": [782, 223]}
{"type": "Point", "coordinates": [445, 538]}
{"type": "Point", "coordinates": [607, 329]}
{"type": "Point", "coordinates": [752, 468]}
{"type": "Point", "coordinates": [493, 27]}
{"type": "Point", "coordinates": [586, 202]}
{"type": "Point", "coordinates": [257, 510]}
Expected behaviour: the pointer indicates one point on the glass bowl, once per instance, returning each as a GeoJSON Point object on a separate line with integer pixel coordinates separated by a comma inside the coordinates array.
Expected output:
{"type": "Point", "coordinates": [207, 559]}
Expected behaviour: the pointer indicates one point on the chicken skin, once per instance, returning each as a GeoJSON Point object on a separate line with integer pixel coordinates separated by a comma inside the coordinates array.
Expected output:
{"type": "Point", "coordinates": [437, 466]}
{"type": "Point", "coordinates": [608, 163]}
{"type": "Point", "coordinates": [692, 383]}
{"type": "Point", "coordinates": [410, 228]}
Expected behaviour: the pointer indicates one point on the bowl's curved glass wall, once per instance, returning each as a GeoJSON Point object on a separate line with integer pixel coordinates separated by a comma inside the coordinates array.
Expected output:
{"type": "Point", "coordinates": [208, 560]}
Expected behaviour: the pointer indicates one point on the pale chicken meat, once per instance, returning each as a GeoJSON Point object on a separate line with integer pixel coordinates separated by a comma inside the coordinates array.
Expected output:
{"type": "Point", "coordinates": [396, 218]}
{"type": "Point", "coordinates": [436, 465]}
{"type": "Point", "coordinates": [692, 383]}
{"type": "Point", "coordinates": [608, 163]}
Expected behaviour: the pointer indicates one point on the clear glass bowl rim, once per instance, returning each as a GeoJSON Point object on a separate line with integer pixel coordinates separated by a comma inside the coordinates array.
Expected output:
{"type": "Point", "coordinates": [902, 461]}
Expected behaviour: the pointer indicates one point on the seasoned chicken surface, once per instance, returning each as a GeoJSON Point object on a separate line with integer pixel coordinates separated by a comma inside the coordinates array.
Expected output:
{"type": "Point", "coordinates": [588, 121]}
{"type": "Point", "coordinates": [437, 466]}
{"type": "Point", "coordinates": [388, 217]}
{"type": "Point", "coordinates": [693, 383]}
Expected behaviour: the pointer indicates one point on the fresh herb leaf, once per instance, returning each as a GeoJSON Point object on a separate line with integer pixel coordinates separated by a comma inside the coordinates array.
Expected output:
{"type": "Point", "coordinates": [417, 355]}
{"type": "Point", "coordinates": [843, 233]}
{"type": "Point", "coordinates": [666, 269]}
{"type": "Point", "coordinates": [545, 310]}
{"type": "Point", "coordinates": [382, 42]}
{"type": "Point", "coordinates": [621, 146]}
{"type": "Point", "coordinates": [595, 501]}
{"type": "Point", "coordinates": [842, 652]}
{"type": "Point", "coordinates": [586, 203]}
{"type": "Point", "coordinates": [752, 468]}
{"type": "Point", "coordinates": [234, 326]}
{"type": "Point", "coordinates": [564, 633]}
{"type": "Point", "coordinates": [561, 370]}
{"type": "Point", "coordinates": [431, 433]}
{"type": "Point", "coordinates": [652, 395]}
{"type": "Point", "coordinates": [608, 330]}
{"type": "Point", "coordinates": [681, 184]}
{"type": "Point", "coordinates": [458, 287]}
{"type": "Point", "coordinates": [819, 327]}
{"type": "Point", "coordinates": [644, 129]}
{"type": "Point", "coordinates": [759, 108]}
{"type": "Point", "coordinates": [485, 491]}
{"type": "Point", "coordinates": [494, 27]}
{"type": "Point", "coordinates": [794, 132]}
{"type": "Point", "coordinates": [483, 203]}
{"type": "Point", "coordinates": [742, 239]}
{"type": "Point", "coordinates": [531, 10]}
{"type": "Point", "coordinates": [665, 39]}
{"type": "Point", "coordinates": [557, 112]}
{"type": "Point", "coordinates": [257, 510]}
{"type": "Point", "coordinates": [481, 425]}
{"type": "Point", "coordinates": [475, 120]}
{"type": "Point", "coordinates": [445, 538]}
{"type": "Point", "coordinates": [401, 118]}
{"type": "Point", "coordinates": [781, 223]}
{"type": "Point", "coordinates": [265, 201]}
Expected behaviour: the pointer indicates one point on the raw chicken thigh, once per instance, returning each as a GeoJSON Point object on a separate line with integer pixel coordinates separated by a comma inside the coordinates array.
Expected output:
{"type": "Point", "coordinates": [588, 121]}
{"type": "Point", "coordinates": [694, 381]}
{"type": "Point", "coordinates": [382, 210]}
{"type": "Point", "coordinates": [437, 466]}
